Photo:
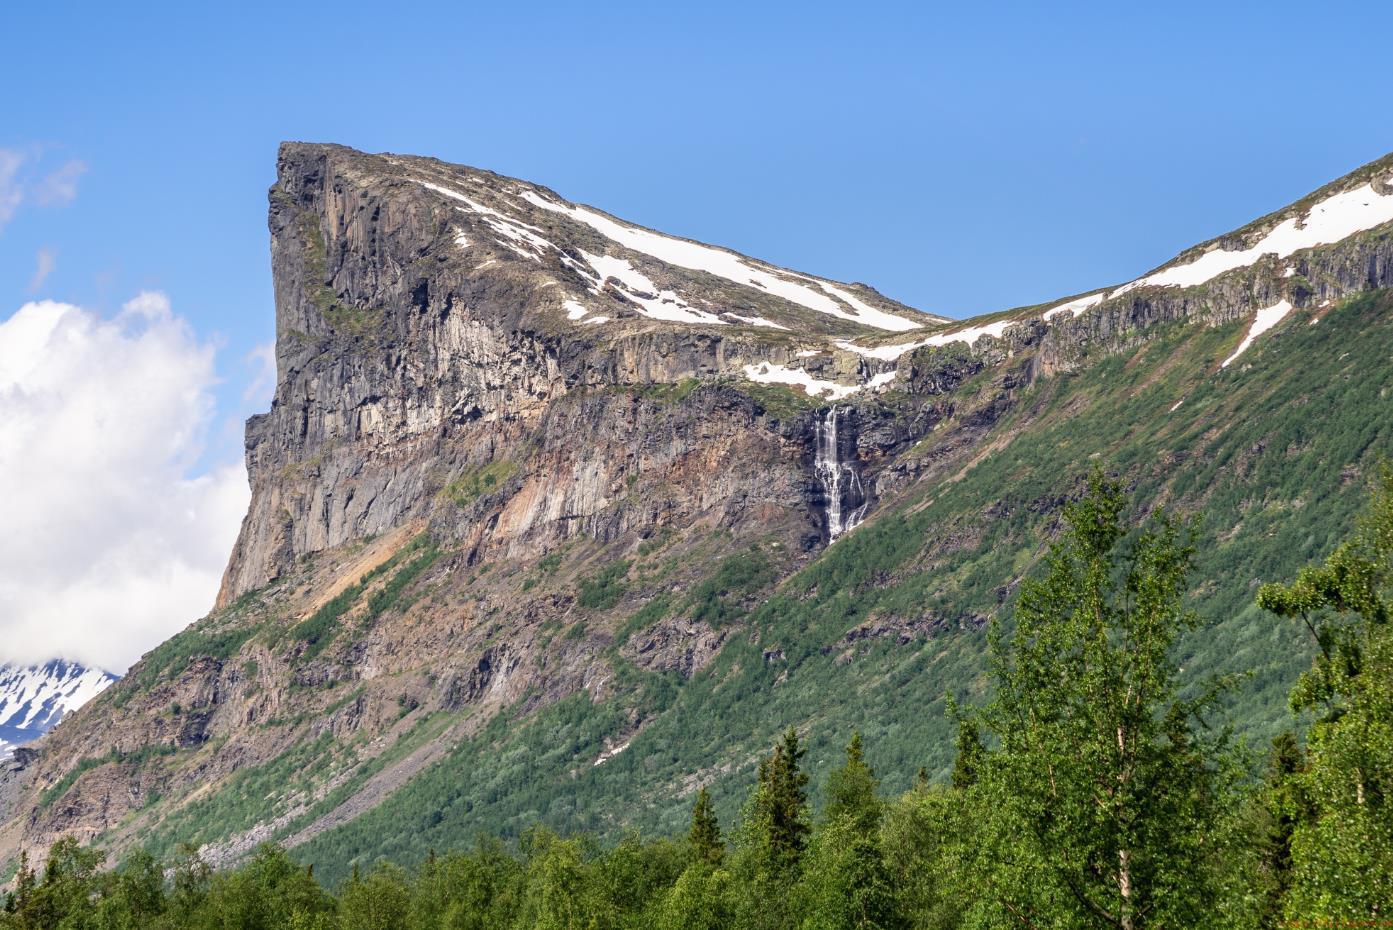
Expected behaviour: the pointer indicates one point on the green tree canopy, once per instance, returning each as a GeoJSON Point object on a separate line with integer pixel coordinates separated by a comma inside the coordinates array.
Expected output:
{"type": "Point", "coordinates": [1342, 845]}
{"type": "Point", "coordinates": [1099, 800]}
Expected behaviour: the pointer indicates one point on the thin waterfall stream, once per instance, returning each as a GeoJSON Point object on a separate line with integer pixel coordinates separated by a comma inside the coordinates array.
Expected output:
{"type": "Point", "coordinates": [843, 491]}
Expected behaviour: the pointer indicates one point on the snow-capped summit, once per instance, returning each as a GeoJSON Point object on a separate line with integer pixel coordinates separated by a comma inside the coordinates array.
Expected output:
{"type": "Point", "coordinates": [34, 699]}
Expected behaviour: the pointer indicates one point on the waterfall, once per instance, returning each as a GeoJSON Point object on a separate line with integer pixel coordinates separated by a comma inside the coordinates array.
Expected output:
{"type": "Point", "coordinates": [843, 491]}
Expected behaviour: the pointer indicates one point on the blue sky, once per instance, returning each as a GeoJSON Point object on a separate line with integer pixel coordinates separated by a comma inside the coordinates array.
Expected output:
{"type": "Point", "coordinates": [962, 158]}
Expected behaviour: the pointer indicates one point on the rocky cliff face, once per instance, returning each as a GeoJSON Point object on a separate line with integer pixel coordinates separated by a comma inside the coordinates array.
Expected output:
{"type": "Point", "coordinates": [525, 457]}
{"type": "Point", "coordinates": [433, 319]}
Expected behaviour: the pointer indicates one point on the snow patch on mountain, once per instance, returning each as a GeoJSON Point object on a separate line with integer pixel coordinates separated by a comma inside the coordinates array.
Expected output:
{"type": "Point", "coordinates": [969, 335]}
{"type": "Point", "coordinates": [881, 380]}
{"type": "Point", "coordinates": [651, 300]}
{"type": "Point", "coordinates": [756, 321]}
{"type": "Point", "coordinates": [1076, 306]}
{"type": "Point", "coordinates": [1332, 219]}
{"type": "Point", "coordinates": [771, 373]}
{"type": "Point", "coordinates": [694, 256]}
{"type": "Point", "coordinates": [1267, 318]}
{"type": "Point", "coordinates": [519, 237]}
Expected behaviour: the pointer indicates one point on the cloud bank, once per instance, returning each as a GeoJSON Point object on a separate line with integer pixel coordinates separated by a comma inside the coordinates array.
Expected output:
{"type": "Point", "coordinates": [110, 541]}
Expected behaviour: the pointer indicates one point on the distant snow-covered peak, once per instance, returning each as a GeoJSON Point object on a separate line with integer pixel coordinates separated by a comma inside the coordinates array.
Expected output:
{"type": "Point", "coordinates": [34, 699]}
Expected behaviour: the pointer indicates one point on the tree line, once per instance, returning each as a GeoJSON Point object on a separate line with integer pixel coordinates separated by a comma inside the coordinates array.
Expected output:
{"type": "Point", "coordinates": [1092, 790]}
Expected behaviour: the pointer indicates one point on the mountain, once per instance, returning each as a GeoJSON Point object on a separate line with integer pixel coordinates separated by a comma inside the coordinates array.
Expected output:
{"type": "Point", "coordinates": [555, 518]}
{"type": "Point", "coordinates": [34, 699]}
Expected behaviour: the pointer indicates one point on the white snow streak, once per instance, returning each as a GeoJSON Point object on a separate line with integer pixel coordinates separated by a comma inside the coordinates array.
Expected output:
{"type": "Point", "coordinates": [574, 309]}
{"type": "Point", "coordinates": [519, 237]}
{"type": "Point", "coordinates": [756, 321]}
{"type": "Point", "coordinates": [611, 753]}
{"type": "Point", "coordinates": [640, 289]}
{"type": "Point", "coordinates": [1335, 218]}
{"type": "Point", "coordinates": [1267, 318]}
{"type": "Point", "coordinates": [1076, 306]}
{"type": "Point", "coordinates": [697, 257]}
{"type": "Point", "coordinates": [881, 380]}
{"type": "Point", "coordinates": [970, 336]}
{"type": "Point", "coordinates": [770, 373]}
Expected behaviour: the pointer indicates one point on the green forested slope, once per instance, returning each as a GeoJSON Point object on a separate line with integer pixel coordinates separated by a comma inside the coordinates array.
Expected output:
{"type": "Point", "coordinates": [1086, 791]}
{"type": "Point", "coordinates": [1271, 454]}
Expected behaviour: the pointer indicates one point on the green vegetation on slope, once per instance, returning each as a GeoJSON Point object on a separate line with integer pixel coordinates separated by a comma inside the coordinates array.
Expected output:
{"type": "Point", "coordinates": [320, 628]}
{"type": "Point", "coordinates": [1274, 485]}
{"type": "Point", "coordinates": [1100, 798]}
{"type": "Point", "coordinates": [476, 482]}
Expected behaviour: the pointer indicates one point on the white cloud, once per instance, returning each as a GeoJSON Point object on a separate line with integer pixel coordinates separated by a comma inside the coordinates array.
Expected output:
{"type": "Point", "coordinates": [11, 191]}
{"type": "Point", "coordinates": [109, 541]}
{"type": "Point", "coordinates": [59, 188]}
{"type": "Point", "coordinates": [262, 360]}
{"type": "Point", "coordinates": [44, 263]}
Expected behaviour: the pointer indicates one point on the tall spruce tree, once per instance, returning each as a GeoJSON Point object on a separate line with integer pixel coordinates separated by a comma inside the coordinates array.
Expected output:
{"type": "Point", "coordinates": [705, 833]}
{"type": "Point", "coordinates": [846, 882]}
{"type": "Point", "coordinates": [1099, 800]}
{"type": "Point", "coordinates": [970, 752]}
{"type": "Point", "coordinates": [783, 797]}
{"type": "Point", "coordinates": [851, 791]}
{"type": "Point", "coordinates": [771, 840]}
{"type": "Point", "coordinates": [1278, 806]}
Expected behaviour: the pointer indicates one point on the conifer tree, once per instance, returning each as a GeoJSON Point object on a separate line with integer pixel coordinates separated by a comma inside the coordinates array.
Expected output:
{"type": "Point", "coordinates": [970, 752]}
{"type": "Point", "coordinates": [1280, 808]}
{"type": "Point", "coordinates": [25, 881]}
{"type": "Point", "coordinates": [851, 791]}
{"type": "Point", "coordinates": [784, 787]}
{"type": "Point", "coordinates": [846, 882]}
{"type": "Point", "coordinates": [705, 833]}
{"type": "Point", "coordinates": [771, 839]}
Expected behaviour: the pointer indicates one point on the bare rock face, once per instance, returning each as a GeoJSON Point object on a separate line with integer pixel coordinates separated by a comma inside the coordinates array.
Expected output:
{"type": "Point", "coordinates": [681, 646]}
{"type": "Point", "coordinates": [435, 321]}
{"type": "Point", "coordinates": [432, 319]}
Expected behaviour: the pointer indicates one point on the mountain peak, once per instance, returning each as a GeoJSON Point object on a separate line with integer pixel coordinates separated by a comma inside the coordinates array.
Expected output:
{"type": "Point", "coordinates": [34, 699]}
{"type": "Point", "coordinates": [607, 272]}
{"type": "Point", "coordinates": [519, 557]}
